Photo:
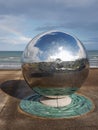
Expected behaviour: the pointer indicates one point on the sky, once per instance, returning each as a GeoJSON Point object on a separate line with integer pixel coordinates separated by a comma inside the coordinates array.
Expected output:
{"type": "Point", "coordinates": [22, 20]}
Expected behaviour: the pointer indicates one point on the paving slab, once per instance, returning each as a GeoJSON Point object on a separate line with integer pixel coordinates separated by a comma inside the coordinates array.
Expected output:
{"type": "Point", "coordinates": [13, 88]}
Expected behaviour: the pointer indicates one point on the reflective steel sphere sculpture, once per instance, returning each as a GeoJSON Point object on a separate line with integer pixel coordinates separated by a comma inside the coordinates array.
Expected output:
{"type": "Point", "coordinates": [55, 65]}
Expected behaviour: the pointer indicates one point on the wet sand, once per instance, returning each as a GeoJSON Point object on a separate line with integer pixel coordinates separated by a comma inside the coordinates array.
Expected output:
{"type": "Point", "coordinates": [13, 88]}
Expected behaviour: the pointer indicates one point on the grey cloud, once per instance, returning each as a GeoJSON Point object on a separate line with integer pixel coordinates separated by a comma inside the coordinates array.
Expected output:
{"type": "Point", "coordinates": [91, 43]}
{"type": "Point", "coordinates": [50, 9]}
{"type": "Point", "coordinates": [72, 13]}
{"type": "Point", "coordinates": [91, 46]}
{"type": "Point", "coordinates": [90, 40]}
{"type": "Point", "coordinates": [47, 27]}
{"type": "Point", "coordinates": [69, 25]}
{"type": "Point", "coordinates": [79, 15]}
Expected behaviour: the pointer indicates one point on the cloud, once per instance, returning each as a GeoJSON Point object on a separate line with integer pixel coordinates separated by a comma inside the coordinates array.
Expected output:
{"type": "Point", "coordinates": [92, 39]}
{"type": "Point", "coordinates": [47, 27]}
{"type": "Point", "coordinates": [18, 18]}
{"type": "Point", "coordinates": [91, 43]}
{"type": "Point", "coordinates": [10, 33]}
{"type": "Point", "coordinates": [70, 12]}
{"type": "Point", "coordinates": [77, 3]}
{"type": "Point", "coordinates": [49, 9]}
{"type": "Point", "coordinates": [15, 40]}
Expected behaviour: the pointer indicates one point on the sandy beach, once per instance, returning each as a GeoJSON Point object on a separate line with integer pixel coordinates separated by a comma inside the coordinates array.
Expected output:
{"type": "Point", "coordinates": [14, 88]}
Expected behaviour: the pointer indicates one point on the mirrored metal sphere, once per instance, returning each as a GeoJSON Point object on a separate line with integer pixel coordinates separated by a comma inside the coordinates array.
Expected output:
{"type": "Point", "coordinates": [55, 63]}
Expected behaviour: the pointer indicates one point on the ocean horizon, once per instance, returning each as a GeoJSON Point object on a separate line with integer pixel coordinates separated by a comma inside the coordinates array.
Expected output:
{"type": "Point", "coordinates": [12, 59]}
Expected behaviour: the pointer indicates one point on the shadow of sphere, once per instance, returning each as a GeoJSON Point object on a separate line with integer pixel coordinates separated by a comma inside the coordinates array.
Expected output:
{"type": "Point", "coordinates": [16, 88]}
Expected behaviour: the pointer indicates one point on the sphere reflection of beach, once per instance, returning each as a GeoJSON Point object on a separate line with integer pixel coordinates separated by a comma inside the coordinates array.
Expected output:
{"type": "Point", "coordinates": [55, 63]}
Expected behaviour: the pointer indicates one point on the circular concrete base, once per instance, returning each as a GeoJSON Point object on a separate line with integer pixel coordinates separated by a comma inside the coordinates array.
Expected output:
{"type": "Point", "coordinates": [56, 102]}
{"type": "Point", "coordinates": [78, 106]}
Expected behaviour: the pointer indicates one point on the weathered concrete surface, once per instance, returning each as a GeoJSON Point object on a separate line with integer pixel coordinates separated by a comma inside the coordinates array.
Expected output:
{"type": "Point", "coordinates": [14, 88]}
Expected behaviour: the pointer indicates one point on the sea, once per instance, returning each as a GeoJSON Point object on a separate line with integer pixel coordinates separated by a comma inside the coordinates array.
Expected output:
{"type": "Point", "coordinates": [12, 59]}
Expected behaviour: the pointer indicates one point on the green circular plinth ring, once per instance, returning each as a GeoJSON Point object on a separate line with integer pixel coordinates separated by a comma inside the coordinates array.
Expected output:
{"type": "Point", "coordinates": [79, 105]}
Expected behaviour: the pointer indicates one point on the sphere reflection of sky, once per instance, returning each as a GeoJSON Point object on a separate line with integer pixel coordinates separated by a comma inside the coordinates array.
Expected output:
{"type": "Point", "coordinates": [54, 45]}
